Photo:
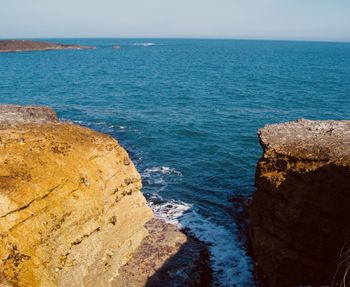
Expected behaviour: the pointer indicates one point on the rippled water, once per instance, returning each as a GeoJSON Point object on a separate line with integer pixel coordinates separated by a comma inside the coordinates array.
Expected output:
{"type": "Point", "coordinates": [188, 112]}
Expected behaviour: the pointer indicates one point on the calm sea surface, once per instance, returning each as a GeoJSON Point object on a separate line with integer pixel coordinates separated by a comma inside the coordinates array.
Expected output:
{"type": "Point", "coordinates": [188, 112]}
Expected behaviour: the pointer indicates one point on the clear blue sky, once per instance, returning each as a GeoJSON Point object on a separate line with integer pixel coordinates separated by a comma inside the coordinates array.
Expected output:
{"type": "Point", "coordinates": [256, 19]}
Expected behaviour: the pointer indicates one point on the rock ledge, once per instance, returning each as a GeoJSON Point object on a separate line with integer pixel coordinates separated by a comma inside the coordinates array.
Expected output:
{"type": "Point", "coordinates": [72, 212]}
{"type": "Point", "coordinates": [300, 211]}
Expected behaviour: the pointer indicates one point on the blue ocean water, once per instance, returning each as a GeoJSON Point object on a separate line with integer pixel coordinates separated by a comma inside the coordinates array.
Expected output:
{"type": "Point", "coordinates": [188, 112]}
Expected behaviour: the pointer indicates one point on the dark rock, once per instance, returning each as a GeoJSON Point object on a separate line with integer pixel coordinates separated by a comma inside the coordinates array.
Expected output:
{"type": "Point", "coordinates": [27, 45]}
{"type": "Point", "coordinates": [300, 212]}
{"type": "Point", "coordinates": [166, 257]}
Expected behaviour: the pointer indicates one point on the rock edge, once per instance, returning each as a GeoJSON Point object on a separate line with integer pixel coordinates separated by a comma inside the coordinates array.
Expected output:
{"type": "Point", "coordinates": [299, 213]}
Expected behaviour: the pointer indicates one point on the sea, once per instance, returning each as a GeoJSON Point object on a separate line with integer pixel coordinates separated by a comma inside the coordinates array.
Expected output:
{"type": "Point", "coordinates": [188, 112]}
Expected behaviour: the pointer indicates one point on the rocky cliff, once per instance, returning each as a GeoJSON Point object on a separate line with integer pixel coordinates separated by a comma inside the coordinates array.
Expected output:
{"type": "Point", "coordinates": [27, 45]}
{"type": "Point", "coordinates": [300, 212]}
{"type": "Point", "coordinates": [71, 209]}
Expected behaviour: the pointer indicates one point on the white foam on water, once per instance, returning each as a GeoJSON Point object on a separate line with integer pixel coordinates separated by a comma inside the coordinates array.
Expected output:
{"type": "Point", "coordinates": [162, 170]}
{"type": "Point", "coordinates": [144, 44]}
{"type": "Point", "coordinates": [170, 211]}
{"type": "Point", "coordinates": [117, 127]}
{"type": "Point", "coordinates": [78, 122]}
{"type": "Point", "coordinates": [157, 175]}
{"type": "Point", "coordinates": [231, 266]}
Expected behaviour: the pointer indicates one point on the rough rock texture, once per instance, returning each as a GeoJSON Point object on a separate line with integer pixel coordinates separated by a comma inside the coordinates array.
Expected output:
{"type": "Point", "coordinates": [166, 257]}
{"type": "Point", "coordinates": [12, 114]}
{"type": "Point", "coordinates": [27, 45]}
{"type": "Point", "coordinates": [71, 210]}
{"type": "Point", "coordinates": [300, 212]}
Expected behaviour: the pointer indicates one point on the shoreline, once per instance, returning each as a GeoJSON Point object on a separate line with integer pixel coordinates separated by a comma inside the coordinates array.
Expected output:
{"type": "Point", "coordinates": [9, 46]}
{"type": "Point", "coordinates": [85, 212]}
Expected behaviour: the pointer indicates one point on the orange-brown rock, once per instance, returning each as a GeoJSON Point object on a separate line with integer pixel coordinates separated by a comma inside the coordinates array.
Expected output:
{"type": "Point", "coordinates": [72, 213]}
{"type": "Point", "coordinates": [71, 210]}
{"type": "Point", "coordinates": [300, 212]}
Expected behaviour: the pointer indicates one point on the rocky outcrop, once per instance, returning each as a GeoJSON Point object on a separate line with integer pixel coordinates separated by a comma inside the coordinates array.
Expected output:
{"type": "Point", "coordinates": [71, 209]}
{"type": "Point", "coordinates": [12, 115]}
{"type": "Point", "coordinates": [301, 209]}
{"type": "Point", "coordinates": [27, 45]}
{"type": "Point", "coordinates": [166, 257]}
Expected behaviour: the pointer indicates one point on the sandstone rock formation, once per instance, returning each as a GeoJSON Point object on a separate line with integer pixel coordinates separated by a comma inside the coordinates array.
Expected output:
{"type": "Point", "coordinates": [187, 261]}
{"type": "Point", "coordinates": [71, 209]}
{"type": "Point", "coordinates": [27, 45]}
{"type": "Point", "coordinates": [300, 212]}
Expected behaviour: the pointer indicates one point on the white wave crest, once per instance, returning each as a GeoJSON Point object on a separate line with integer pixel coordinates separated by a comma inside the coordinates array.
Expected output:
{"type": "Point", "coordinates": [158, 175]}
{"type": "Point", "coordinates": [230, 264]}
{"type": "Point", "coordinates": [76, 122]}
{"type": "Point", "coordinates": [144, 44]}
{"type": "Point", "coordinates": [117, 127]}
{"type": "Point", "coordinates": [170, 211]}
{"type": "Point", "coordinates": [160, 170]}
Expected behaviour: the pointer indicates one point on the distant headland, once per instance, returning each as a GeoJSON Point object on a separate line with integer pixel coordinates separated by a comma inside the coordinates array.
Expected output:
{"type": "Point", "coordinates": [27, 45]}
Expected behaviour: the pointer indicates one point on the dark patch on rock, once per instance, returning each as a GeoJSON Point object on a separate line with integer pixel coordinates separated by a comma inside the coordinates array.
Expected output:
{"type": "Point", "coordinates": [166, 257]}
{"type": "Point", "coordinates": [300, 211]}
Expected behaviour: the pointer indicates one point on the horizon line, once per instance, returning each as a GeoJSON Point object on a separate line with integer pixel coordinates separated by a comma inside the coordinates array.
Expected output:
{"type": "Point", "coordinates": [345, 41]}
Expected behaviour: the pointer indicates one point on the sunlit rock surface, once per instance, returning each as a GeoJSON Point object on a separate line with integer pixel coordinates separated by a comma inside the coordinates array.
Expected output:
{"type": "Point", "coordinates": [71, 209]}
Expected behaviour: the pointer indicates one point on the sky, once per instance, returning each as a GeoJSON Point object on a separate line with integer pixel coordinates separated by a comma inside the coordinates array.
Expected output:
{"type": "Point", "coordinates": [238, 19]}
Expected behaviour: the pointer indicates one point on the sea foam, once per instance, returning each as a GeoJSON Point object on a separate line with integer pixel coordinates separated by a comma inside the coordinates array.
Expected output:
{"type": "Point", "coordinates": [144, 44]}
{"type": "Point", "coordinates": [158, 175]}
{"type": "Point", "coordinates": [231, 266]}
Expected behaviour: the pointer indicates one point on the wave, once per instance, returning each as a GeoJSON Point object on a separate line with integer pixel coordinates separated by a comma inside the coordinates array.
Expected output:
{"type": "Point", "coordinates": [117, 127]}
{"type": "Point", "coordinates": [162, 170]}
{"type": "Point", "coordinates": [231, 266]}
{"type": "Point", "coordinates": [103, 126]}
{"type": "Point", "coordinates": [158, 175]}
{"type": "Point", "coordinates": [144, 44]}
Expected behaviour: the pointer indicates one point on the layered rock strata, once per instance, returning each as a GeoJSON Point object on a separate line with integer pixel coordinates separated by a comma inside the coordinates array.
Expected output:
{"type": "Point", "coordinates": [71, 209]}
{"type": "Point", "coordinates": [27, 45]}
{"type": "Point", "coordinates": [300, 212]}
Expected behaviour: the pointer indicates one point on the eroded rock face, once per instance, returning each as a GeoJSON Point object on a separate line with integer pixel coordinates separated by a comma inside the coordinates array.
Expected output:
{"type": "Point", "coordinates": [72, 214]}
{"type": "Point", "coordinates": [300, 212]}
{"type": "Point", "coordinates": [71, 210]}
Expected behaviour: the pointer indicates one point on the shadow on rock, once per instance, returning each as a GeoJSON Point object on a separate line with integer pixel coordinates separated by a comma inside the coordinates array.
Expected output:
{"type": "Point", "coordinates": [166, 257]}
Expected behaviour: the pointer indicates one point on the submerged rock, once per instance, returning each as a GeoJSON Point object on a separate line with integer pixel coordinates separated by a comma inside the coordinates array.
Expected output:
{"type": "Point", "coordinates": [27, 45]}
{"type": "Point", "coordinates": [301, 209]}
{"type": "Point", "coordinates": [71, 209]}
